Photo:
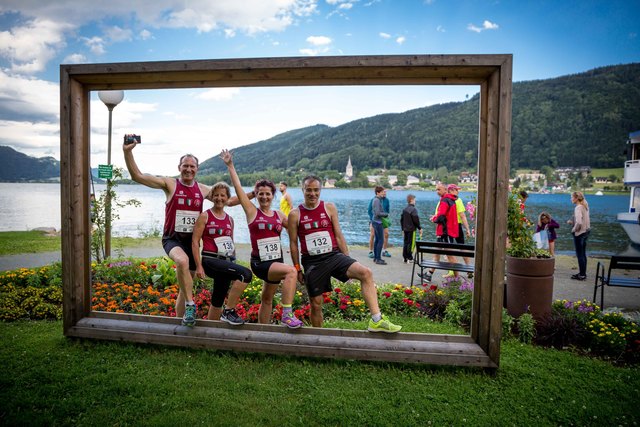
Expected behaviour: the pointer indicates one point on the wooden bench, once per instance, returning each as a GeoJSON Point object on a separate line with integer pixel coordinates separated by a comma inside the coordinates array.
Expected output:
{"type": "Point", "coordinates": [429, 249]}
{"type": "Point", "coordinates": [616, 263]}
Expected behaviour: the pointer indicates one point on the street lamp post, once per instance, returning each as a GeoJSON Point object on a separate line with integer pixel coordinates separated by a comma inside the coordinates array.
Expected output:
{"type": "Point", "coordinates": [110, 98]}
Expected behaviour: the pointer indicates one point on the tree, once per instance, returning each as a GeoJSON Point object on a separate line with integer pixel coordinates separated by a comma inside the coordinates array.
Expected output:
{"type": "Point", "coordinates": [98, 214]}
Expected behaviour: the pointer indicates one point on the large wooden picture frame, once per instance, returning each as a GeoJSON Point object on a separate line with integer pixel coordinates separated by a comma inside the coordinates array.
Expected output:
{"type": "Point", "coordinates": [491, 72]}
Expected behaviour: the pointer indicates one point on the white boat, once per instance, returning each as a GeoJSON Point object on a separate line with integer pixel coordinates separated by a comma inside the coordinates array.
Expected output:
{"type": "Point", "coordinates": [599, 193]}
{"type": "Point", "coordinates": [630, 220]}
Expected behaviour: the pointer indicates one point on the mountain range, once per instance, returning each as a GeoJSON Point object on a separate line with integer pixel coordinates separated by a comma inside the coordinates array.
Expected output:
{"type": "Point", "coordinates": [574, 120]}
{"type": "Point", "coordinates": [18, 167]}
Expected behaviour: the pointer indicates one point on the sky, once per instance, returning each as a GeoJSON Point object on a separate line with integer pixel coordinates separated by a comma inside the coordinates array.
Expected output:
{"type": "Point", "coordinates": [548, 38]}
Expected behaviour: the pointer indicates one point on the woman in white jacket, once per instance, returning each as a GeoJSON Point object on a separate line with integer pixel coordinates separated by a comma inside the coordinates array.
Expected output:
{"type": "Point", "coordinates": [580, 231]}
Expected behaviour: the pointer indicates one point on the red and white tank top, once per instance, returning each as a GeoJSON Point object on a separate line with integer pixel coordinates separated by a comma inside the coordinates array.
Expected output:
{"type": "Point", "coordinates": [217, 236]}
{"type": "Point", "coordinates": [315, 231]}
{"type": "Point", "coordinates": [265, 236]}
{"type": "Point", "coordinates": [182, 210]}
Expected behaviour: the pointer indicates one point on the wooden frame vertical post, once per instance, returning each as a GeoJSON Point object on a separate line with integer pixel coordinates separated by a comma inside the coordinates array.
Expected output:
{"type": "Point", "coordinates": [491, 72]}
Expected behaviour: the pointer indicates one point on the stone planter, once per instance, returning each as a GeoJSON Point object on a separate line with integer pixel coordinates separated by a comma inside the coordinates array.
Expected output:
{"type": "Point", "coordinates": [530, 286]}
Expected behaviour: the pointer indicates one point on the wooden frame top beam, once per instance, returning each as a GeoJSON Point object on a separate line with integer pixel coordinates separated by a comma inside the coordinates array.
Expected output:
{"type": "Point", "coordinates": [298, 71]}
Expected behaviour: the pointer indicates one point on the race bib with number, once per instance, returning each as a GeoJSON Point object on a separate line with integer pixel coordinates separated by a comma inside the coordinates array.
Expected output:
{"type": "Point", "coordinates": [319, 243]}
{"type": "Point", "coordinates": [225, 245]}
{"type": "Point", "coordinates": [269, 248]}
{"type": "Point", "coordinates": [185, 220]}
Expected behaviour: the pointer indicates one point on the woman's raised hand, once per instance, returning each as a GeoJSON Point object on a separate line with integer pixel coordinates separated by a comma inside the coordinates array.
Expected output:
{"type": "Point", "coordinates": [226, 156]}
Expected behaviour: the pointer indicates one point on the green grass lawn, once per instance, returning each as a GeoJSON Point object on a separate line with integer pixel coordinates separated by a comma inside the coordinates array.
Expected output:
{"type": "Point", "coordinates": [20, 242]}
{"type": "Point", "coordinates": [50, 380]}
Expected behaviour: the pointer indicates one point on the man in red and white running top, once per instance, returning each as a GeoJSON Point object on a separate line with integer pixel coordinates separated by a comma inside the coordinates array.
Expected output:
{"type": "Point", "coordinates": [183, 206]}
{"type": "Point", "coordinates": [325, 254]}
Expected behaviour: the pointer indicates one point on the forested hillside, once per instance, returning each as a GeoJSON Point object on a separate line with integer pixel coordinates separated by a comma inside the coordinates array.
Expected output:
{"type": "Point", "coordinates": [574, 120]}
{"type": "Point", "coordinates": [16, 167]}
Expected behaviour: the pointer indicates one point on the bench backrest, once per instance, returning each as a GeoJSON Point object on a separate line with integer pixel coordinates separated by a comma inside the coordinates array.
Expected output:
{"type": "Point", "coordinates": [624, 263]}
{"type": "Point", "coordinates": [451, 249]}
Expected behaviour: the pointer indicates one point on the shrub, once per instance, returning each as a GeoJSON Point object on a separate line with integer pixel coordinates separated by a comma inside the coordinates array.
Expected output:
{"type": "Point", "coordinates": [526, 328]}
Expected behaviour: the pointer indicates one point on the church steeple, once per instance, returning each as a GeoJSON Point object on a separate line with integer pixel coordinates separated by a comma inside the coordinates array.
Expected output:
{"type": "Point", "coordinates": [349, 172]}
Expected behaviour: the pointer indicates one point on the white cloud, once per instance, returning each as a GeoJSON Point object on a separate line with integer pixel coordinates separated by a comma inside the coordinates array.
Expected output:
{"type": "Point", "coordinates": [385, 35]}
{"type": "Point", "coordinates": [47, 23]}
{"type": "Point", "coordinates": [345, 6]}
{"type": "Point", "coordinates": [36, 139]}
{"type": "Point", "coordinates": [28, 48]}
{"type": "Point", "coordinates": [401, 39]}
{"type": "Point", "coordinates": [28, 98]}
{"type": "Point", "coordinates": [117, 34]}
{"type": "Point", "coordinates": [74, 58]}
{"type": "Point", "coordinates": [145, 35]}
{"type": "Point", "coordinates": [486, 25]}
{"type": "Point", "coordinates": [318, 40]}
{"type": "Point", "coordinates": [218, 94]}
{"type": "Point", "coordinates": [320, 44]}
{"type": "Point", "coordinates": [95, 45]}
{"type": "Point", "coordinates": [440, 29]}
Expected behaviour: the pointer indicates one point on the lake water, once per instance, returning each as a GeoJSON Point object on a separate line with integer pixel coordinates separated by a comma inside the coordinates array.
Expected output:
{"type": "Point", "coordinates": [28, 206]}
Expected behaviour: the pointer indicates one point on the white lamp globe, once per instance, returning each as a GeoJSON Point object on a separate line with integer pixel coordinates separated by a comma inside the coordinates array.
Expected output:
{"type": "Point", "coordinates": [111, 98]}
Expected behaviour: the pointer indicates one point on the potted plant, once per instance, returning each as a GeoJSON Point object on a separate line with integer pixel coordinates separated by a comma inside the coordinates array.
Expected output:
{"type": "Point", "coordinates": [529, 286]}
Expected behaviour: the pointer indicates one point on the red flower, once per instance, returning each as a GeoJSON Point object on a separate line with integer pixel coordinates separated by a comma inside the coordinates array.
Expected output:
{"type": "Point", "coordinates": [343, 307]}
{"type": "Point", "coordinates": [433, 287]}
{"type": "Point", "coordinates": [337, 290]}
{"type": "Point", "coordinates": [154, 266]}
{"type": "Point", "coordinates": [408, 291]}
{"type": "Point", "coordinates": [386, 294]}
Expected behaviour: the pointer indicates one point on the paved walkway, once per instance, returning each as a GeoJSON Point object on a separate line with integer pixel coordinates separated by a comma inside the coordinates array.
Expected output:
{"type": "Point", "coordinates": [395, 272]}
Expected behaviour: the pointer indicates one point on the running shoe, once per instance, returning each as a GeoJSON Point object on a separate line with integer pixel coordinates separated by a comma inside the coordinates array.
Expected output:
{"type": "Point", "coordinates": [230, 316]}
{"type": "Point", "coordinates": [291, 321]}
{"type": "Point", "coordinates": [370, 254]}
{"type": "Point", "coordinates": [380, 262]}
{"type": "Point", "coordinates": [189, 318]}
{"type": "Point", "coordinates": [383, 325]}
{"type": "Point", "coordinates": [386, 253]}
{"type": "Point", "coordinates": [578, 277]}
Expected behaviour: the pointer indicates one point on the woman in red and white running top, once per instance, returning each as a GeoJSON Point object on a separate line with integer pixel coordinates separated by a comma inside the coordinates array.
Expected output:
{"type": "Point", "coordinates": [215, 228]}
{"type": "Point", "coordinates": [265, 226]}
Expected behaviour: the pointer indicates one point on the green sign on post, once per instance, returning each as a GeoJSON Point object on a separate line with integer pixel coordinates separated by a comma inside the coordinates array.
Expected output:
{"type": "Point", "coordinates": [105, 171]}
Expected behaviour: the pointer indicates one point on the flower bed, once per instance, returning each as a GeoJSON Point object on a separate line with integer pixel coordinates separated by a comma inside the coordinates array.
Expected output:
{"type": "Point", "coordinates": [149, 287]}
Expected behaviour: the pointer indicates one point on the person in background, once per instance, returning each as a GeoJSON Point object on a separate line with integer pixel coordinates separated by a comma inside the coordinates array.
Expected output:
{"type": "Point", "coordinates": [462, 223]}
{"type": "Point", "coordinates": [265, 227]}
{"type": "Point", "coordinates": [379, 215]}
{"type": "Point", "coordinates": [409, 222]}
{"type": "Point", "coordinates": [385, 226]}
{"type": "Point", "coordinates": [215, 228]}
{"type": "Point", "coordinates": [523, 199]}
{"type": "Point", "coordinates": [446, 220]}
{"type": "Point", "coordinates": [581, 229]}
{"type": "Point", "coordinates": [286, 203]}
{"type": "Point", "coordinates": [545, 222]}
{"type": "Point", "coordinates": [325, 254]}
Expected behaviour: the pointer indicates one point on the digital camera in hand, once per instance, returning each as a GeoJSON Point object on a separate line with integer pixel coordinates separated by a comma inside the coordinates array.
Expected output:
{"type": "Point", "coordinates": [132, 139]}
